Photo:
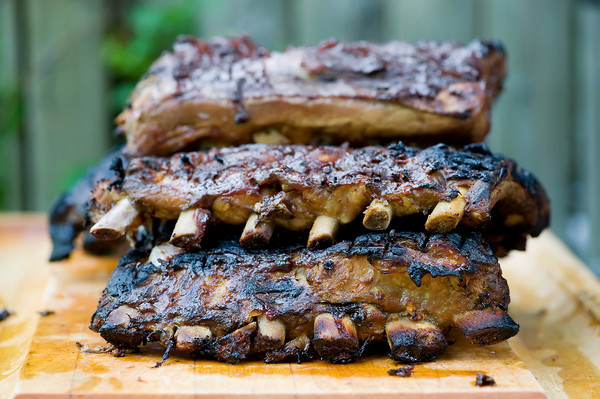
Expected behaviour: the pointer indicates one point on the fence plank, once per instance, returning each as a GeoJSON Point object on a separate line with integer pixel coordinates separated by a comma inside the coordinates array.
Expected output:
{"type": "Point", "coordinates": [351, 20]}
{"type": "Point", "coordinates": [588, 128]}
{"type": "Point", "coordinates": [10, 170]}
{"type": "Point", "coordinates": [428, 20]}
{"type": "Point", "coordinates": [261, 19]}
{"type": "Point", "coordinates": [533, 122]}
{"type": "Point", "coordinates": [66, 123]}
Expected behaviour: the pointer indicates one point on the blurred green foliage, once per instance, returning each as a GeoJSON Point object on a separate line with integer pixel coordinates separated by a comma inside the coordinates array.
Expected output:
{"type": "Point", "coordinates": [137, 35]}
{"type": "Point", "coordinates": [10, 122]}
{"type": "Point", "coordinates": [10, 106]}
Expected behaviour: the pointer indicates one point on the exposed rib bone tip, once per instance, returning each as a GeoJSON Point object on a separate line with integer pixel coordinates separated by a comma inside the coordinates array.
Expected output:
{"type": "Point", "coordinates": [121, 316]}
{"type": "Point", "coordinates": [115, 222]}
{"type": "Point", "coordinates": [192, 338]}
{"type": "Point", "coordinates": [447, 214]}
{"type": "Point", "coordinates": [236, 345]}
{"type": "Point", "coordinates": [297, 350]}
{"type": "Point", "coordinates": [163, 252]}
{"type": "Point", "coordinates": [323, 231]}
{"type": "Point", "coordinates": [271, 334]}
{"type": "Point", "coordinates": [335, 340]}
{"type": "Point", "coordinates": [412, 341]}
{"type": "Point", "coordinates": [486, 327]}
{"type": "Point", "coordinates": [378, 215]}
{"type": "Point", "coordinates": [256, 233]}
{"type": "Point", "coordinates": [190, 228]}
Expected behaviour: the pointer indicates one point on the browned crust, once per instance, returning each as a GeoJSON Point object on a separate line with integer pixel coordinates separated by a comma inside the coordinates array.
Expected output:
{"type": "Point", "coordinates": [290, 186]}
{"type": "Point", "coordinates": [410, 286]}
{"type": "Point", "coordinates": [484, 327]}
{"type": "Point", "coordinates": [222, 91]}
{"type": "Point", "coordinates": [409, 344]}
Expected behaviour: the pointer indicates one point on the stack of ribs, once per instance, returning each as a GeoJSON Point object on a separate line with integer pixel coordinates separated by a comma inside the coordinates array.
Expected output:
{"type": "Point", "coordinates": [308, 203]}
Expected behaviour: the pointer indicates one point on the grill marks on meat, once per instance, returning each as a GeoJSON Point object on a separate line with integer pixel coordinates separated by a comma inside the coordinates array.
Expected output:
{"type": "Point", "coordinates": [230, 91]}
{"type": "Point", "coordinates": [291, 303]}
{"type": "Point", "coordinates": [298, 187]}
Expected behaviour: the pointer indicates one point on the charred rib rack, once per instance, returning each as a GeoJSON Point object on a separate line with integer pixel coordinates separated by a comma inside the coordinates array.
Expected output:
{"type": "Point", "coordinates": [230, 91]}
{"type": "Point", "coordinates": [298, 187]}
{"type": "Point", "coordinates": [67, 216]}
{"type": "Point", "coordinates": [290, 303]}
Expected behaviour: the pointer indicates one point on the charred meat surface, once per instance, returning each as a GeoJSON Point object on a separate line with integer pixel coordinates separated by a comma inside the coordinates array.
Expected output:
{"type": "Point", "coordinates": [291, 303]}
{"type": "Point", "coordinates": [298, 187]}
{"type": "Point", "coordinates": [67, 215]}
{"type": "Point", "coordinates": [229, 91]}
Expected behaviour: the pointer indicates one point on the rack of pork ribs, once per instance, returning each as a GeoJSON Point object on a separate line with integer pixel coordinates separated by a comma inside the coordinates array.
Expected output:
{"type": "Point", "coordinates": [298, 187]}
{"type": "Point", "coordinates": [273, 211]}
{"type": "Point", "coordinates": [292, 303]}
{"type": "Point", "coordinates": [229, 91]}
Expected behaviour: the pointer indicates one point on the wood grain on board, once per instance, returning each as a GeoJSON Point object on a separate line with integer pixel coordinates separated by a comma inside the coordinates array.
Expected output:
{"type": "Point", "coordinates": [53, 366]}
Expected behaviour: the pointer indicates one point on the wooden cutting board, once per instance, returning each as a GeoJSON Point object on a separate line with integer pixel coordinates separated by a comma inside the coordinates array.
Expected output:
{"type": "Point", "coordinates": [53, 366]}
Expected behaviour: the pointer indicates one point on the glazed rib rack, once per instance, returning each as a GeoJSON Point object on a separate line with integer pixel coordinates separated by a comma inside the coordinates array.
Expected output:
{"type": "Point", "coordinates": [298, 187]}
{"type": "Point", "coordinates": [229, 91]}
{"type": "Point", "coordinates": [291, 303]}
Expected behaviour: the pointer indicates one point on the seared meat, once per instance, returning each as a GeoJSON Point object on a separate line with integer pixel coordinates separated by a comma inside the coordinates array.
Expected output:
{"type": "Point", "coordinates": [288, 302]}
{"type": "Point", "coordinates": [229, 92]}
{"type": "Point", "coordinates": [295, 187]}
{"type": "Point", "coordinates": [67, 215]}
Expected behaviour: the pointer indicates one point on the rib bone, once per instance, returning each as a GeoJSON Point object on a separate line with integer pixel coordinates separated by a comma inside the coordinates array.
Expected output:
{"type": "Point", "coordinates": [297, 349]}
{"type": "Point", "coordinates": [235, 346]}
{"type": "Point", "coordinates": [447, 214]}
{"type": "Point", "coordinates": [256, 233]}
{"type": "Point", "coordinates": [193, 338]}
{"type": "Point", "coordinates": [378, 215]}
{"type": "Point", "coordinates": [115, 222]}
{"type": "Point", "coordinates": [412, 341]}
{"type": "Point", "coordinates": [271, 334]}
{"type": "Point", "coordinates": [190, 228]}
{"type": "Point", "coordinates": [323, 231]}
{"type": "Point", "coordinates": [122, 316]}
{"type": "Point", "coordinates": [117, 323]}
{"type": "Point", "coordinates": [486, 327]}
{"type": "Point", "coordinates": [335, 340]}
{"type": "Point", "coordinates": [163, 252]}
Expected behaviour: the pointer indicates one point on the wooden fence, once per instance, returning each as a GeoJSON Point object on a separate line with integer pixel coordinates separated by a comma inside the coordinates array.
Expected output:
{"type": "Point", "coordinates": [547, 118]}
